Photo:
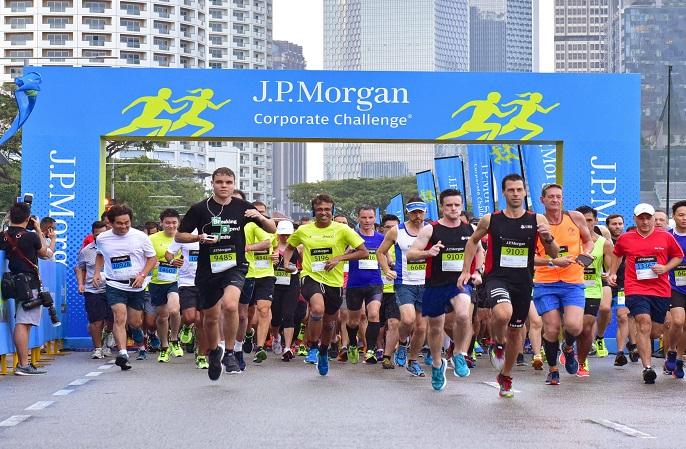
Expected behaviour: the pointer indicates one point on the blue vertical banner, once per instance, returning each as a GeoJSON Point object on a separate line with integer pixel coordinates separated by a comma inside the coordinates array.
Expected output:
{"type": "Point", "coordinates": [377, 212]}
{"type": "Point", "coordinates": [540, 167]}
{"type": "Point", "coordinates": [480, 179]}
{"type": "Point", "coordinates": [504, 161]}
{"type": "Point", "coordinates": [395, 207]}
{"type": "Point", "coordinates": [427, 190]}
{"type": "Point", "coordinates": [449, 173]}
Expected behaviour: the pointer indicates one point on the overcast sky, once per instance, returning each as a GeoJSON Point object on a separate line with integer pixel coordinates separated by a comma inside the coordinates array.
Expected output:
{"type": "Point", "coordinates": [301, 22]}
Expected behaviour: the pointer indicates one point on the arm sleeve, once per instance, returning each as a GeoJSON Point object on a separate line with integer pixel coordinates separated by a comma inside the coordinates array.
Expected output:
{"type": "Point", "coordinates": [190, 221]}
{"type": "Point", "coordinates": [175, 247]}
{"type": "Point", "coordinates": [294, 240]}
{"type": "Point", "coordinates": [148, 249]}
{"type": "Point", "coordinates": [675, 249]}
{"type": "Point", "coordinates": [619, 247]}
{"type": "Point", "coordinates": [81, 261]}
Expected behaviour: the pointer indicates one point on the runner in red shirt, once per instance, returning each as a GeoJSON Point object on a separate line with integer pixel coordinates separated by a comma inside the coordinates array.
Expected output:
{"type": "Point", "coordinates": [650, 254]}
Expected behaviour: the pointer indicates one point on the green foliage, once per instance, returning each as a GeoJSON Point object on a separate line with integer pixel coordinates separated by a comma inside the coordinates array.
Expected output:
{"type": "Point", "coordinates": [149, 189]}
{"type": "Point", "coordinates": [350, 194]}
{"type": "Point", "coordinates": [10, 152]}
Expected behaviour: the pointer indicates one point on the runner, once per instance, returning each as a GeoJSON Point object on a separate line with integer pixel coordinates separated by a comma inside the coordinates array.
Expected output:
{"type": "Point", "coordinates": [442, 245]}
{"type": "Point", "coordinates": [286, 292]}
{"type": "Point", "coordinates": [674, 363]}
{"type": "Point", "coordinates": [650, 255]}
{"type": "Point", "coordinates": [324, 248]}
{"type": "Point", "coordinates": [409, 285]}
{"type": "Point", "coordinates": [390, 312]}
{"type": "Point", "coordinates": [220, 221]}
{"type": "Point", "coordinates": [559, 282]}
{"type": "Point", "coordinates": [128, 258]}
{"type": "Point", "coordinates": [508, 276]}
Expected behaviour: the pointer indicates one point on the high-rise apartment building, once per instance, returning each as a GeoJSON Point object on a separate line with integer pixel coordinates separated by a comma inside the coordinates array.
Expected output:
{"type": "Point", "coordinates": [421, 35]}
{"type": "Point", "coordinates": [289, 158]}
{"type": "Point", "coordinates": [581, 35]}
{"type": "Point", "coordinates": [501, 35]}
{"type": "Point", "coordinates": [232, 34]}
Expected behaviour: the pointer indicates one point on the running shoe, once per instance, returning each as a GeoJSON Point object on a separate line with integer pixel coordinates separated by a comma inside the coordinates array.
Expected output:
{"type": "Point", "coordinates": [414, 369]}
{"type": "Point", "coordinates": [260, 355]}
{"type": "Point", "coordinates": [176, 349]}
{"type": "Point", "coordinates": [679, 370]}
{"type": "Point", "coordinates": [537, 362]}
{"type": "Point", "coordinates": [497, 355]}
{"type": "Point", "coordinates": [201, 362]}
{"type": "Point", "coordinates": [401, 355]}
{"type": "Point", "coordinates": [370, 357]}
{"type": "Point", "coordinates": [302, 351]}
{"type": "Point", "coordinates": [570, 362]}
{"type": "Point", "coordinates": [312, 355]}
{"type": "Point", "coordinates": [353, 354]}
{"type": "Point", "coordinates": [528, 349]}
{"type": "Point", "coordinates": [477, 348]}
{"type": "Point", "coordinates": [438, 380]}
{"type": "Point", "coordinates": [343, 355]}
{"type": "Point", "coordinates": [287, 355]}
{"type": "Point", "coordinates": [163, 356]}
{"type": "Point", "coordinates": [231, 363]}
{"type": "Point", "coordinates": [122, 361]}
{"type": "Point", "coordinates": [601, 349]}
{"type": "Point", "coordinates": [665, 371]}
{"type": "Point", "coordinates": [214, 360]}
{"type": "Point", "coordinates": [670, 362]}
{"type": "Point", "coordinates": [97, 354]}
{"type": "Point", "coordinates": [633, 354]}
{"type": "Point", "coordinates": [553, 378]}
{"type": "Point", "coordinates": [461, 368]}
{"type": "Point", "coordinates": [583, 371]}
{"type": "Point", "coordinates": [30, 370]}
{"type": "Point", "coordinates": [379, 354]}
{"type": "Point", "coordinates": [471, 361]}
{"type": "Point", "coordinates": [277, 348]}
{"type": "Point", "coordinates": [428, 360]}
{"type": "Point", "coordinates": [621, 360]}
{"type": "Point", "coordinates": [520, 360]}
{"type": "Point", "coordinates": [142, 354]}
{"type": "Point", "coordinates": [649, 375]}
{"type": "Point", "coordinates": [186, 334]}
{"type": "Point", "coordinates": [240, 359]}
{"type": "Point", "coordinates": [323, 363]}
{"type": "Point", "coordinates": [106, 351]}
{"type": "Point", "coordinates": [387, 363]}
{"type": "Point", "coordinates": [109, 339]}
{"type": "Point", "coordinates": [247, 342]}
{"type": "Point", "coordinates": [505, 383]}
{"type": "Point", "coordinates": [333, 351]}
{"type": "Point", "coordinates": [301, 332]}
{"type": "Point", "coordinates": [155, 343]}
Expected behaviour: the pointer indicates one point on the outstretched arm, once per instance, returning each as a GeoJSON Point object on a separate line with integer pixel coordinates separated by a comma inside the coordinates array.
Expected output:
{"type": "Point", "coordinates": [186, 98]}
{"type": "Point", "coordinates": [134, 103]}
{"type": "Point", "coordinates": [548, 109]}
{"type": "Point", "coordinates": [171, 110]}
{"type": "Point", "coordinates": [216, 107]}
{"type": "Point", "coordinates": [463, 107]}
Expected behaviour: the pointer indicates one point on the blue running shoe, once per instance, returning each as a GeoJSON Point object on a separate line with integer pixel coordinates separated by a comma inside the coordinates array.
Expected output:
{"type": "Point", "coordinates": [137, 336]}
{"type": "Point", "coordinates": [571, 363]}
{"type": "Point", "coordinates": [438, 380]}
{"type": "Point", "coordinates": [323, 363]}
{"type": "Point", "coordinates": [460, 364]}
{"type": "Point", "coordinates": [240, 359]}
{"type": "Point", "coordinates": [478, 349]}
{"type": "Point", "coordinates": [428, 360]}
{"type": "Point", "coordinates": [312, 355]}
{"type": "Point", "coordinates": [670, 363]}
{"type": "Point", "coordinates": [414, 369]}
{"type": "Point", "coordinates": [401, 355]}
{"type": "Point", "coordinates": [142, 355]}
{"type": "Point", "coordinates": [679, 370]}
{"type": "Point", "coordinates": [155, 343]}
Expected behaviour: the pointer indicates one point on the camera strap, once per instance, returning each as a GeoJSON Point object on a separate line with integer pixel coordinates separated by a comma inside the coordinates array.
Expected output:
{"type": "Point", "coordinates": [13, 243]}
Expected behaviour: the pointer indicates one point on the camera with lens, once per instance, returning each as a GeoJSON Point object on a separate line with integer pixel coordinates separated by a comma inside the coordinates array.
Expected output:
{"type": "Point", "coordinates": [44, 298]}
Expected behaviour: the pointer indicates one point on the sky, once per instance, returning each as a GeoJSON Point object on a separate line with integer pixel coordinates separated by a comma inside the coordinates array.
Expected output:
{"type": "Point", "coordinates": [301, 22]}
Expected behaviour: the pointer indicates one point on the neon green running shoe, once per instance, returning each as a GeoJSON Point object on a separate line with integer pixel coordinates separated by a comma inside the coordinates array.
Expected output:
{"type": "Point", "coordinates": [176, 349]}
{"type": "Point", "coordinates": [186, 335]}
{"type": "Point", "coordinates": [163, 356]}
{"type": "Point", "coordinates": [353, 354]}
{"type": "Point", "coordinates": [260, 355]}
{"type": "Point", "coordinates": [201, 362]}
{"type": "Point", "coordinates": [601, 349]}
{"type": "Point", "coordinates": [302, 351]}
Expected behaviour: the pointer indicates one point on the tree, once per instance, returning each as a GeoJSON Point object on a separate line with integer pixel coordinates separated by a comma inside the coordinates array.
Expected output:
{"type": "Point", "coordinates": [350, 194]}
{"type": "Point", "coordinates": [10, 152]}
{"type": "Point", "coordinates": [151, 186]}
{"type": "Point", "coordinates": [115, 146]}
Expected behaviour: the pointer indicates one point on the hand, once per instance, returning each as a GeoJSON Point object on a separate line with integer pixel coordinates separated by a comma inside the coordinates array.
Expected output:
{"type": "Point", "coordinates": [178, 263]}
{"type": "Point", "coordinates": [97, 280]}
{"type": "Point", "coordinates": [36, 224]}
{"type": "Point", "coordinates": [331, 263]}
{"type": "Point", "coordinates": [434, 250]}
{"type": "Point", "coordinates": [208, 239]}
{"type": "Point", "coordinates": [82, 288]}
{"type": "Point", "coordinates": [138, 282]}
{"type": "Point", "coordinates": [659, 269]}
{"type": "Point", "coordinates": [563, 262]}
{"type": "Point", "coordinates": [291, 268]}
{"type": "Point", "coordinates": [544, 231]}
{"type": "Point", "coordinates": [612, 280]}
{"type": "Point", "coordinates": [464, 278]}
{"type": "Point", "coordinates": [392, 275]}
{"type": "Point", "coordinates": [275, 257]}
{"type": "Point", "coordinates": [51, 234]}
{"type": "Point", "coordinates": [476, 278]}
{"type": "Point", "coordinates": [253, 213]}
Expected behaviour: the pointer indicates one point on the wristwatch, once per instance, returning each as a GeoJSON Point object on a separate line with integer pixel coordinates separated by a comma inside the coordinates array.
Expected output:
{"type": "Point", "coordinates": [550, 263]}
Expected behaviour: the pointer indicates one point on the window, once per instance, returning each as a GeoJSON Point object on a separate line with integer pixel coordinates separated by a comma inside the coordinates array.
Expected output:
{"type": "Point", "coordinates": [130, 58]}
{"type": "Point", "coordinates": [18, 54]}
{"type": "Point", "coordinates": [58, 5]}
{"type": "Point", "coordinates": [163, 27]}
{"type": "Point", "coordinates": [19, 22]}
{"type": "Point", "coordinates": [57, 55]}
{"type": "Point", "coordinates": [19, 38]}
{"type": "Point", "coordinates": [216, 40]}
{"type": "Point", "coordinates": [216, 27]}
{"type": "Point", "coordinates": [96, 23]}
{"type": "Point", "coordinates": [20, 6]}
{"type": "Point", "coordinates": [94, 6]}
{"type": "Point", "coordinates": [130, 41]}
{"type": "Point", "coordinates": [162, 60]}
{"type": "Point", "coordinates": [95, 55]}
{"type": "Point", "coordinates": [162, 44]}
{"type": "Point", "coordinates": [57, 38]}
{"type": "Point", "coordinates": [57, 22]}
{"type": "Point", "coordinates": [216, 65]}
{"type": "Point", "coordinates": [216, 53]}
{"type": "Point", "coordinates": [216, 14]}
{"type": "Point", "coordinates": [95, 40]}
{"type": "Point", "coordinates": [131, 8]}
{"type": "Point", "coordinates": [162, 11]}
{"type": "Point", "coordinates": [130, 25]}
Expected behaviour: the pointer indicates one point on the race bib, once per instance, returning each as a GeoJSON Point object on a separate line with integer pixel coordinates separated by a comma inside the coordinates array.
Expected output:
{"type": "Point", "coordinates": [282, 277]}
{"type": "Point", "coordinates": [319, 257]}
{"type": "Point", "coordinates": [369, 263]}
{"type": "Point", "coordinates": [416, 270]}
{"type": "Point", "coordinates": [193, 258]}
{"type": "Point", "coordinates": [121, 267]}
{"type": "Point", "coordinates": [167, 272]}
{"type": "Point", "coordinates": [222, 259]}
{"type": "Point", "coordinates": [644, 267]}
{"type": "Point", "coordinates": [680, 275]}
{"type": "Point", "coordinates": [386, 280]}
{"type": "Point", "coordinates": [563, 252]}
{"type": "Point", "coordinates": [452, 259]}
{"type": "Point", "coordinates": [589, 277]}
{"type": "Point", "coordinates": [262, 259]}
{"type": "Point", "coordinates": [514, 254]}
{"type": "Point", "coordinates": [621, 299]}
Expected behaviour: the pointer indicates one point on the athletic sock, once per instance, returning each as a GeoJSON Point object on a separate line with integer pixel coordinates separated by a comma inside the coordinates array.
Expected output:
{"type": "Point", "coordinates": [372, 334]}
{"type": "Point", "coordinates": [551, 348]}
{"type": "Point", "coordinates": [238, 346]}
{"type": "Point", "coordinates": [569, 339]}
{"type": "Point", "coordinates": [352, 335]}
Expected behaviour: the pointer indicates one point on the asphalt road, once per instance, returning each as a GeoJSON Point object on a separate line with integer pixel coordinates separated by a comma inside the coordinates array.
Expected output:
{"type": "Point", "coordinates": [288, 405]}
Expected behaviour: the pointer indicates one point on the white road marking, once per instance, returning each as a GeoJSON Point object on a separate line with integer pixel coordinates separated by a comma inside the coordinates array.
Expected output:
{"type": "Point", "coordinates": [14, 420]}
{"type": "Point", "coordinates": [94, 374]}
{"type": "Point", "coordinates": [495, 385]}
{"type": "Point", "coordinates": [40, 405]}
{"type": "Point", "coordinates": [78, 382]}
{"type": "Point", "coordinates": [62, 392]}
{"type": "Point", "coordinates": [620, 428]}
{"type": "Point", "coordinates": [105, 366]}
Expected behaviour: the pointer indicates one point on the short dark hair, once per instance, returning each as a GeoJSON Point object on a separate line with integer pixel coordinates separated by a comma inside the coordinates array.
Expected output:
{"type": "Point", "coordinates": [259, 203]}
{"type": "Point", "coordinates": [612, 217]}
{"type": "Point", "coordinates": [587, 210]}
{"type": "Point", "coordinates": [448, 192]}
{"type": "Point", "coordinates": [630, 228]}
{"type": "Point", "coordinates": [118, 210]}
{"type": "Point", "coordinates": [97, 225]}
{"type": "Point", "coordinates": [151, 224]}
{"type": "Point", "coordinates": [169, 213]}
{"type": "Point", "coordinates": [19, 213]}
{"type": "Point", "coordinates": [365, 207]}
{"type": "Point", "coordinates": [240, 193]}
{"type": "Point", "coordinates": [510, 177]}
{"type": "Point", "coordinates": [545, 188]}
{"type": "Point", "coordinates": [467, 214]}
{"type": "Point", "coordinates": [47, 221]}
{"type": "Point", "coordinates": [321, 198]}
{"type": "Point", "coordinates": [224, 171]}
{"type": "Point", "coordinates": [677, 205]}
{"type": "Point", "coordinates": [389, 217]}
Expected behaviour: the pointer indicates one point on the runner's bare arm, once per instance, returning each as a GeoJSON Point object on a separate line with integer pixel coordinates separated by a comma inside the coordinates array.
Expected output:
{"type": "Point", "coordinates": [551, 247]}
{"type": "Point", "coordinates": [471, 248]}
{"type": "Point", "coordinates": [382, 251]}
{"type": "Point", "coordinates": [418, 251]}
{"type": "Point", "coordinates": [586, 239]}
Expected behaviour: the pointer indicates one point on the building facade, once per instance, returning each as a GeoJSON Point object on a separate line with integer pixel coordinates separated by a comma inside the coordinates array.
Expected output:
{"type": "Point", "coordinates": [422, 35]}
{"type": "Point", "coordinates": [149, 33]}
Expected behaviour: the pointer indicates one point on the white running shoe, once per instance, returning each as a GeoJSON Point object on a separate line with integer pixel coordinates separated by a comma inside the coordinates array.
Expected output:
{"type": "Point", "coordinates": [97, 354]}
{"type": "Point", "coordinates": [276, 346]}
{"type": "Point", "coordinates": [106, 351]}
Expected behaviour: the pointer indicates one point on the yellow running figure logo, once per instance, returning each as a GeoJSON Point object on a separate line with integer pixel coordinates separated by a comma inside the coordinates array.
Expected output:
{"type": "Point", "coordinates": [483, 110]}
{"type": "Point", "coordinates": [156, 105]}
{"type": "Point", "coordinates": [503, 153]}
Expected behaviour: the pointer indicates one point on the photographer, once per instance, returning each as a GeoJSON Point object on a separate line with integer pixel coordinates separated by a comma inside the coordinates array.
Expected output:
{"type": "Point", "coordinates": [22, 250]}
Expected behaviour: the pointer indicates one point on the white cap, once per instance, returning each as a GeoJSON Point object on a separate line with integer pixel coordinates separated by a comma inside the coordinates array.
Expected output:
{"type": "Point", "coordinates": [644, 208]}
{"type": "Point", "coordinates": [284, 227]}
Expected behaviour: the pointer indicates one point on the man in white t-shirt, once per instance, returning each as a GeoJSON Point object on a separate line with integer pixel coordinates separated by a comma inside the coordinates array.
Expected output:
{"type": "Point", "coordinates": [128, 257]}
